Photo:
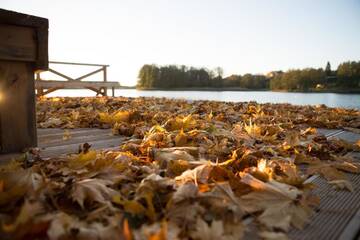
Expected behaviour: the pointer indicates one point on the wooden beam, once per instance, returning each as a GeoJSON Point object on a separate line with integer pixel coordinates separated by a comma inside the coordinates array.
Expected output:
{"type": "Point", "coordinates": [105, 74]}
{"type": "Point", "coordinates": [37, 74]}
{"type": "Point", "coordinates": [42, 61]}
{"type": "Point", "coordinates": [50, 90]}
{"type": "Point", "coordinates": [81, 64]}
{"type": "Point", "coordinates": [98, 92]}
{"type": "Point", "coordinates": [74, 84]}
{"type": "Point", "coordinates": [105, 80]}
{"type": "Point", "coordinates": [40, 28]}
{"type": "Point", "coordinates": [17, 43]}
{"type": "Point", "coordinates": [60, 74]}
{"type": "Point", "coordinates": [89, 74]}
{"type": "Point", "coordinates": [18, 119]}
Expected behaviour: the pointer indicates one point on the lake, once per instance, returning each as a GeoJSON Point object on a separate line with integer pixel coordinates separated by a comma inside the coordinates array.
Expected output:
{"type": "Point", "coordinates": [329, 99]}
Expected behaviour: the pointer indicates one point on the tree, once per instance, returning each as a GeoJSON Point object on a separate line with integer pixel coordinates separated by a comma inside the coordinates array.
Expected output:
{"type": "Point", "coordinates": [219, 71]}
{"type": "Point", "coordinates": [297, 79]}
{"type": "Point", "coordinates": [348, 74]}
{"type": "Point", "coordinates": [328, 69]}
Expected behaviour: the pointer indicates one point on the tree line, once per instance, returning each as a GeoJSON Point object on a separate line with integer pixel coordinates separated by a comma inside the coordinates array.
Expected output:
{"type": "Point", "coordinates": [347, 76]}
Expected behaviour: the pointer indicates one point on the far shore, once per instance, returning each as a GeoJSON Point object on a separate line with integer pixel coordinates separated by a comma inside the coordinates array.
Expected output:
{"type": "Point", "coordinates": [343, 91]}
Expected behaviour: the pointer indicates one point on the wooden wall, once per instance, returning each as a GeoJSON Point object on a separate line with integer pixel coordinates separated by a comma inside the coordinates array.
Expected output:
{"type": "Point", "coordinates": [17, 106]}
{"type": "Point", "coordinates": [23, 50]}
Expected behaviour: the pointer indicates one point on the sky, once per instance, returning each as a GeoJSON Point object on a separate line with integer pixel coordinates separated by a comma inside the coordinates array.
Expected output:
{"type": "Point", "coordinates": [241, 36]}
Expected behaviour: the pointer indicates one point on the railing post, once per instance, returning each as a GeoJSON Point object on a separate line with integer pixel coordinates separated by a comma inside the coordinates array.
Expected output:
{"type": "Point", "coordinates": [105, 74]}
{"type": "Point", "coordinates": [105, 80]}
{"type": "Point", "coordinates": [37, 76]}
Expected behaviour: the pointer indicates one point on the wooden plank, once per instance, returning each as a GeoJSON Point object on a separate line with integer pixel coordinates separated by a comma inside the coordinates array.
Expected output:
{"type": "Point", "coordinates": [57, 132]}
{"type": "Point", "coordinates": [81, 64]}
{"type": "Point", "coordinates": [21, 19]}
{"type": "Point", "coordinates": [89, 74]}
{"type": "Point", "coordinates": [352, 228]}
{"type": "Point", "coordinates": [42, 61]}
{"type": "Point", "coordinates": [17, 43]}
{"type": "Point", "coordinates": [82, 137]}
{"type": "Point", "coordinates": [348, 136]}
{"type": "Point", "coordinates": [73, 148]}
{"type": "Point", "coordinates": [61, 74]}
{"type": "Point", "coordinates": [18, 123]}
{"type": "Point", "coordinates": [74, 84]}
{"type": "Point", "coordinates": [105, 74]}
{"type": "Point", "coordinates": [38, 25]}
{"type": "Point", "coordinates": [75, 140]}
{"type": "Point", "coordinates": [50, 131]}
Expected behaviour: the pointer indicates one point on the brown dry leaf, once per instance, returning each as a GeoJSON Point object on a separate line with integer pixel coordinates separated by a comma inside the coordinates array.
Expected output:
{"type": "Point", "coordinates": [301, 158]}
{"type": "Point", "coordinates": [177, 167]}
{"type": "Point", "coordinates": [92, 190]}
{"type": "Point", "coordinates": [16, 183]}
{"type": "Point", "coordinates": [158, 231]}
{"type": "Point", "coordinates": [149, 190]}
{"type": "Point", "coordinates": [200, 174]}
{"type": "Point", "coordinates": [342, 184]}
{"type": "Point", "coordinates": [204, 231]}
{"type": "Point", "coordinates": [131, 206]}
{"type": "Point", "coordinates": [346, 163]}
{"type": "Point", "coordinates": [347, 166]}
{"type": "Point", "coordinates": [253, 130]}
{"type": "Point", "coordinates": [51, 122]}
{"type": "Point", "coordinates": [222, 202]}
{"type": "Point", "coordinates": [327, 171]}
{"type": "Point", "coordinates": [289, 174]}
{"type": "Point", "coordinates": [66, 226]}
{"type": "Point", "coordinates": [67, 135]}
{"type": "Point", "coordinates": [185, 191]}
{"type": "Point", "coordinates": [28, 212]}
{"type": "Point", "coordinates": [292, 139]}
{"type": "Point", "coordinates": [189, 122]}
{"type": "Point", "coordinates": [105, 118]}
{"type": "Point", "coordinates": [180, 139]}
{"type": "Point", "coordinates": [165, 155]}
{"type": "Point", "coordinates": [82, 159]}
{"type": "Point", "coordinates": [267, 235]}
{"type": "Point", "coordinates": [282, 205]}
{"type": "Point", "coordinates": [121, 116]}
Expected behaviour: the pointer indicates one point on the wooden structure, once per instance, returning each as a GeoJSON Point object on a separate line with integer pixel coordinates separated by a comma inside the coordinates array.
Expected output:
{"type": "Point", "coordinates": [23, 51]}
{"type": "Point", "coordinates": [44, 87]}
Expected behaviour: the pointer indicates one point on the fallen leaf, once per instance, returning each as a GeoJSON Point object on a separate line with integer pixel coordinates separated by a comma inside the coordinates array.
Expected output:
{"type": "Point", "coordinates": [200, 174]}
{"type": "Point", "coordinates": [67, 135]}
{"type": "Point", "coordinates": [204, 231]}
{"type": "Point", "coordinates": [342, 184]}
{"type": "Point", "coordinates": [27, 214]}
{"type": "Point", "coordinates": [281, 205]}
{"type": "Point", "coordinates": [92, 190]}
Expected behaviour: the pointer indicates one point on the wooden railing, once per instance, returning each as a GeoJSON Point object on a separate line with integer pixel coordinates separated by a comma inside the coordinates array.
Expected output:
{"type": "Point", "coordinates": [45, 86]}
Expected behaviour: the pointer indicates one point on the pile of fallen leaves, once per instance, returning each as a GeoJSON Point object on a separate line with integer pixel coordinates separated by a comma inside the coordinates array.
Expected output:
{"type": "Point", "coordinates": [190, 170]}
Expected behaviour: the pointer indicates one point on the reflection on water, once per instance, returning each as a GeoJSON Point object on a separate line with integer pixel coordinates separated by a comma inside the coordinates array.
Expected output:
{"type": "Point", "coordinates": [329, 99]}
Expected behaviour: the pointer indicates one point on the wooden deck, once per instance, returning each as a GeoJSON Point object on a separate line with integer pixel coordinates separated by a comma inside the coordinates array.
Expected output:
{"type": "Point", "coordinates": [338, 216]}
{"type": "Point", "coordinates": [52, 144]}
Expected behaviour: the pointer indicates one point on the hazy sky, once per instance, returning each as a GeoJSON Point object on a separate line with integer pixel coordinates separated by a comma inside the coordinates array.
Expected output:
{"type": "Point", "coordinates": [239, 36]}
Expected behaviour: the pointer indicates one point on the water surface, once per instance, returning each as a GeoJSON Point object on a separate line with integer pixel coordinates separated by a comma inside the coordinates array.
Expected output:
{"type": "Point", "coordinates": [329, 99]}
